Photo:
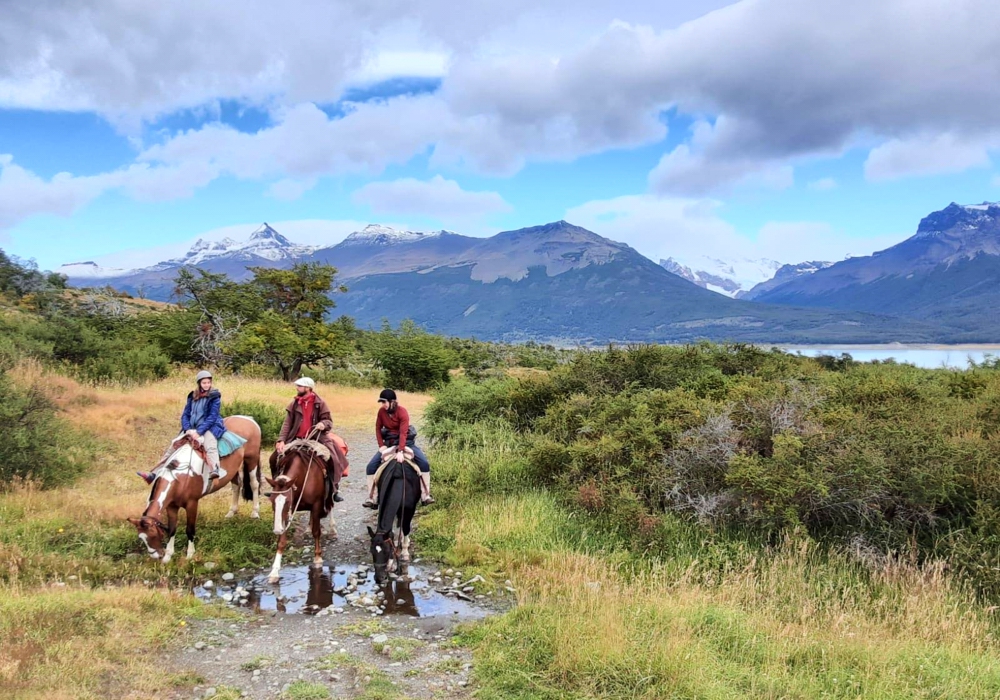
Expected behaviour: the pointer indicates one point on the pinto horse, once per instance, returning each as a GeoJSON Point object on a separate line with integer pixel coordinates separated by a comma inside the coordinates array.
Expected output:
{"type": "Point", "coordinates": [179, 485]}
{"type": "Point", "coordinates": [298, 480]}
{"type": "Point", "coordinates": [399, 493]}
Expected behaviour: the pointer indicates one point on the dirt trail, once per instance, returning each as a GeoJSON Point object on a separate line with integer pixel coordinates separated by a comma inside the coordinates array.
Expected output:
{"type": "Point", "coordinates": [302, 630]}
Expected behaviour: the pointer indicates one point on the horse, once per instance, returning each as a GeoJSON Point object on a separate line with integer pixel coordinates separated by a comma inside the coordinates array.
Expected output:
{"type": "Point", "coordinates": [298, 483]}
{"type": "Point", "coordinates": [180, 485]}
{"type": "Point", "coordinates": [399, 493]}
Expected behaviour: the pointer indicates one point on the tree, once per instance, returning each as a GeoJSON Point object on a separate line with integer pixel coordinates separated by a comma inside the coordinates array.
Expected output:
{"type": "Point", "coordinates": [413, 359]}
{"type": "Point", "coordinates": [278, 317]}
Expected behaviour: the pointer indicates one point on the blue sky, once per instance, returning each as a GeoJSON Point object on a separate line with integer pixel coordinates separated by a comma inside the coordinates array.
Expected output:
{"type": "Point", "coordinates": [683, 129]}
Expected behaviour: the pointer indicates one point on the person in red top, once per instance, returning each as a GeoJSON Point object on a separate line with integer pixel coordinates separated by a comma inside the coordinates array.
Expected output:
{"type": "Point", "coordinates": [307, 416]}
{"type": "Point", "coordinates": [392, 422]}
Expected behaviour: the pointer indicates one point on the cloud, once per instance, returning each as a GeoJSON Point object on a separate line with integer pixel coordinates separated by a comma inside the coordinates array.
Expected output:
{"type": "Point", "coordinates": [661, 227]}
{"type": "Point", "coordinates": [930, 154]}
{"type": "Point", "coordinates": [769, 83]}
{"type": "Point", "coordinates": [24, 194]}
{"type": "Point", "coordinates": [437, 198]}
{"type": "Point", "coordinates": [289, 190]}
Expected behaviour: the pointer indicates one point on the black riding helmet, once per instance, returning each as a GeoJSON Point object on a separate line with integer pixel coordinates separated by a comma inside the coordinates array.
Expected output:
{"type": "Point", "coordinates": [387, 395]}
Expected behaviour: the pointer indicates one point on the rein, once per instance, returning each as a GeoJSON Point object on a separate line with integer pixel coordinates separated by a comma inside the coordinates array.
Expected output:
{"type": "Point", "coordinates": [302, 492]}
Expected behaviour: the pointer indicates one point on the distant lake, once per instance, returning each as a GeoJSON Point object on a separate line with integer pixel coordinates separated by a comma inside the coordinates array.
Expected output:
{"type": "Point", "coordinates": [931, 356]}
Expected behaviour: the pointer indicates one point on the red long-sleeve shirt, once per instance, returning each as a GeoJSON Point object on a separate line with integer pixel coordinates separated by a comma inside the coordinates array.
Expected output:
{"type": "Point", "coordinates": [397, 422]}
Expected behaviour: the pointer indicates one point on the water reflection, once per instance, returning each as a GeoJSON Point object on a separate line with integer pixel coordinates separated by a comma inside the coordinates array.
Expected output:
{"type": "Point", "coordinates": [307, 591]}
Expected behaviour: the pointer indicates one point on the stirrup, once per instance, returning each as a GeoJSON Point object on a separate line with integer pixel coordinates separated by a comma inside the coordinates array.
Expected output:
{"type": "Point", "coordinates": [427, 500]}
{"type": "Point", "coordinates": [214, 474]}
{"type": "Point", "coordinates": [337, 498]}
{"type": "Point", "coordinates": [370, 504]}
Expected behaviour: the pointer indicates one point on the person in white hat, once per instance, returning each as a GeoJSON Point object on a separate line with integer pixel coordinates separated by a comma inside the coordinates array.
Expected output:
{"type": "Point", "coordinates": [202, 420]}
{"type": "Point", "coordinates": [308, 416]}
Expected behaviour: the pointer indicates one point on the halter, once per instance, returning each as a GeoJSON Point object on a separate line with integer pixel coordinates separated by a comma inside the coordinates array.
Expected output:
{"type": "Point", "coordinates": [305, 479]}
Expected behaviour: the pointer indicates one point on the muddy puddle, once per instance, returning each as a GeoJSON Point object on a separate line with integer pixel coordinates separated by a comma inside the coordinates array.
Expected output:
{"type": "Point", "coordinates": [303, 590]}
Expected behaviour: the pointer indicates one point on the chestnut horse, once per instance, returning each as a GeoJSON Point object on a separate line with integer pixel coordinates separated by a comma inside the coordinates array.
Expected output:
{"type": "Point", "coordinates": [299, 484]}
{"type": "Point", "coordinates": [179, 485]}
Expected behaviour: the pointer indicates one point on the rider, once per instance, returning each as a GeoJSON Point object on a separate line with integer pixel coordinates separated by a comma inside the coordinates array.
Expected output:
{"type": "Point", "coordinates": [307, 413]}
{"type": "Point", "coordinates": [393, 421]}
{"type": "Point", "coordinates": [202, 421]}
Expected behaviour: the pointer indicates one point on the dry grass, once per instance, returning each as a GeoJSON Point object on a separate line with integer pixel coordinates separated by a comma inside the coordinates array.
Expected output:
{"type": "Point", "coordinates": [73, 641]}
{"type": "Point", "coordinates": [794, 622]}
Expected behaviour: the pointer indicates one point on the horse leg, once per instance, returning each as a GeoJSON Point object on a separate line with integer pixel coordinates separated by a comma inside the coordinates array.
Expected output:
{"type": "Point", "coordinates": [276, 567]}
{"type": "Point", "coordinates": [235, 485]}
{"type": "Point", "coordinates": [168, 551]}
{"type": "Point", "coordinates": [192, 523]}
{"type": "Point", "coordinates": [255, 487]}
{"type": "Point", "coordinates": [317, 530]}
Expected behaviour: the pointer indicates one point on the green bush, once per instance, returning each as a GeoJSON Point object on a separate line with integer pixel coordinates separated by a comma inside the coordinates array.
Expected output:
{"type": "Point", "coordinates": [37, 445]}
{"type": "Point", "coordinates": [884, 456]}
{"type": "Point", "coordinates": [126, 365]}
{"type": "Point", "coordinates": [412, 359]}
{"type": "Point", "coordinates": [269, 417]}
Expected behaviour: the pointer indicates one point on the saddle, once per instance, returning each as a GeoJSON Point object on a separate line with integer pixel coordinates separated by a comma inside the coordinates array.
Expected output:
{"type": "Point", "coordinates": [390, 457]}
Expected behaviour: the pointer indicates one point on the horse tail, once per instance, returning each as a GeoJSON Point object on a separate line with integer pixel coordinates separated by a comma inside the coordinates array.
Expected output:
{"type": "Point", "coordinates": [247, 488]}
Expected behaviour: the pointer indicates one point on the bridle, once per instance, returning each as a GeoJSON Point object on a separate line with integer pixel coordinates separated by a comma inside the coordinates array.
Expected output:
{"type": "Point", "coordinates": [305, 480]}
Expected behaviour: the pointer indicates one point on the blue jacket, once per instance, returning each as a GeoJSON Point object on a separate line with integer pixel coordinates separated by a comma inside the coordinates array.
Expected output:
{"type": "Point", "coordinates": [211, 421]}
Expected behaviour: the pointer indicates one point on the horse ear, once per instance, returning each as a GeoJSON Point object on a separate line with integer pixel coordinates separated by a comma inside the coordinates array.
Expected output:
{"type": "Point", "coordinates": [270, 481]}
{"type": "Point", "coordinates": [135, 521]}
{"type": "Point", "coordinates": [371, 533]}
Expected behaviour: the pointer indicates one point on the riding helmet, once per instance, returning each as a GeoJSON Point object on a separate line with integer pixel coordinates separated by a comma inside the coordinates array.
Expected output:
{"type": "Point", "coordinates": [204, 374]}
{"type": "Point", "coordinates": [387, 395]}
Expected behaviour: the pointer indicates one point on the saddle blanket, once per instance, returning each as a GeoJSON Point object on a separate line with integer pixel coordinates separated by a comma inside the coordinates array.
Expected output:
{"type": "Point", "coordinates": [229, 443]}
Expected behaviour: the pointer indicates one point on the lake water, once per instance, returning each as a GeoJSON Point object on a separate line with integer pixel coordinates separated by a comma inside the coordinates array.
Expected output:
{"type": "Point", "coordinates": [934, 356]}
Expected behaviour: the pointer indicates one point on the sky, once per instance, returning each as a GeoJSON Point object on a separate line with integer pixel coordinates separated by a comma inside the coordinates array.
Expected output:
{"type": "Point", "coordinates": [783, 129]}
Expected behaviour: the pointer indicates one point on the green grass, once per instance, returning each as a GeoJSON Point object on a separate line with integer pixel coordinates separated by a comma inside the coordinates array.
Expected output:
{"type": "Point", "coordinates": [92, 643]}
{"type": "Point", "coordinates": [256, 663]}
{"type": "Point", "coordinates": [376, 684]}
{"type": "Point", "coordinates": [364, 628]}
{"type": "Point", "coordinates": [304, 690]}
{"type": "Point", "coordinates": [707, 615]}
{"type": "Point", "coordinates": [401, 648]}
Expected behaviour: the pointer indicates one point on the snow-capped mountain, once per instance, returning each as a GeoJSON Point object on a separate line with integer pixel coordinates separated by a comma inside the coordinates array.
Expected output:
{"type": "Point", "coordinates": [728, 277]}
{"type": "Point", "coordinates": [379, 235]}
{"type": "Point", "coordinates": [265, 243]}
{"type": "Point", "coordinates": [90, 270]}
{"type": "Point", "coordinates": [784, 274]}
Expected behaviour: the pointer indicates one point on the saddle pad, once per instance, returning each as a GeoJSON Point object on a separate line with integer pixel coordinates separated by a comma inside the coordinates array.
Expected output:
{"type": "Point", "coordinates": [229, 443]}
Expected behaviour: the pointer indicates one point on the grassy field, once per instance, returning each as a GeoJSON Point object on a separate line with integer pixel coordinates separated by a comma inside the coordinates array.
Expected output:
{"type": "Point", "coordinates": [721, 617]}
{"type": "Point", "coordinates": [82, 612]}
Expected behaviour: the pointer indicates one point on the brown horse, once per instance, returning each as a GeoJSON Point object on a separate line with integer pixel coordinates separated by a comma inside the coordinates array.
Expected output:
{"type": "Point", "coordinates": [299, 484]}
{"type": "Point", "coordinates": [180, 485]}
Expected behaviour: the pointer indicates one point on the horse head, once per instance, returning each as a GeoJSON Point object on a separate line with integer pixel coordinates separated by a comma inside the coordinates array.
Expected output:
{"type": "Point", "coordinates": [384, 556]}
{"type": "Point", "coordinates": [153, 534]}
{"type": "Point", "coordinates": [284, 490]}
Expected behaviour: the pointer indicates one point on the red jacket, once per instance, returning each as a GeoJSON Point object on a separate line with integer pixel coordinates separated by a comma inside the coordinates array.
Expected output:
{"type": "Point", "coordinates": [397, 422]}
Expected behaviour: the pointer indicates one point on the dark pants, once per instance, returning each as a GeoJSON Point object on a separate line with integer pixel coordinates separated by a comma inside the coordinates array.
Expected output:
{"type": "Point", "coordinates": [418, 456]}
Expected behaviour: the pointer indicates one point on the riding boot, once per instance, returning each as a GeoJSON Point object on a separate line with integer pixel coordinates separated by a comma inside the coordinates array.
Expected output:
{"type": "Point", "coordinates": [372, 500]}
{"type": "Point", "coordinates": [425, 488]}
{"type": "Point", "coordinates": [147, 477]}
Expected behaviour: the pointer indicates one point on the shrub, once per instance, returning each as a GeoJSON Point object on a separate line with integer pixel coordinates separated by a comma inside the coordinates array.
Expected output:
{"type": "Point", "coordinates": [37, 445]}
{"type": "Point", "coordinates": [268, 416]}
{"type": "Point", "coordinates": [412, 359]}
{"type": "Point", "coordinates": [132, 365]}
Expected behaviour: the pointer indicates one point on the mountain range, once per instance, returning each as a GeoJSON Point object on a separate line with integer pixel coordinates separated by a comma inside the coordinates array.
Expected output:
{"type": "Point", "coordinates": [947, 274]}
{"type": "Point", "coordinates": [559, 282]}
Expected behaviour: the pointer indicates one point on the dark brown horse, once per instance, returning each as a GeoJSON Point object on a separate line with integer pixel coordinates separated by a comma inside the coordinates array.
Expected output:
{"type": "Point", "coordinates": [399, 494]}
{"type": "Point", "coordinates": [298, 480]}
{"type": "Point", "coordinates": [181, 484]}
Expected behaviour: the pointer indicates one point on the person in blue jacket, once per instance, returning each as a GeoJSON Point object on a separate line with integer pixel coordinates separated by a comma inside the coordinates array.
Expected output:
{"type": "Point", "coordinates": [202, 420]}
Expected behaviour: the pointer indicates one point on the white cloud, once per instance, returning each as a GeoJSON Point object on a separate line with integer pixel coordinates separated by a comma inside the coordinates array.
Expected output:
{"type": "Point", "coordinates": [289, 190]}
{"type": "Point", "coordinates": [824, 184]}
{"type": "Point", "coordinates": [689, 228]}
{"type": "Point", "coordinates": [929, 154]}
{"type": "Point", "coordinates": [437, 198]}
{"type": "Point", "coordinates": [23, 193]}
{"type": "Point", "coordinates": [770, 80]}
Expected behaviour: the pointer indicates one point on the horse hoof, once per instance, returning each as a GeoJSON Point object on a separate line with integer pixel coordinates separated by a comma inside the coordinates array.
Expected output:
{"type": "Point", "coordinates": [273, 579]}
{"type": "Point", "coordinates": [255, 516]}
{"type": "Point", "coordinates": [317, 564]}
{"type": "Point", "coordinates": [230, 513]}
